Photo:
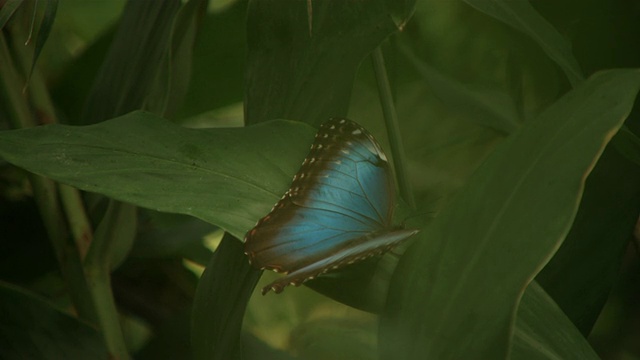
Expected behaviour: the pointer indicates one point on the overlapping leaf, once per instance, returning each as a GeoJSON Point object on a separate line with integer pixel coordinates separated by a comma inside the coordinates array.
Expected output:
{"type": "Point", "coordinates": [522, 16]}
{"type": "Point", "coordinates": [228, 177]}
{"type": "Point", "coordinates": [457, 290]}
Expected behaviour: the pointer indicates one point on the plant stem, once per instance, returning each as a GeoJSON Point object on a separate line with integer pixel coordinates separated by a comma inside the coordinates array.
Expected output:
{"type": "Point", "coordinates": [44, 191]}
{"type": "Point", "coordinates": [77, 218]}
{"type": "Point", "coordinates": [98, 264]}
{"type": "Point", "coordinates": [393, 130]}
{"type": "Point", "coordinates": [95, 272]}
{"type": "Point", "coordinates": [99, 279]}
{"type": "Point", "coordinates": [70, 197]}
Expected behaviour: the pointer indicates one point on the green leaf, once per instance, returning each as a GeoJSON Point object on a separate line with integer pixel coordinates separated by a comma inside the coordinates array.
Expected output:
{"type": "Point", "coordinates": [520, 15]}
{"type": "Point", "coordinates": [581, 274]}
{"type": "Point", "coordinates": [335, 337]}
{"type": "Point", "coordinates": [488, 108]}
{"type": "Point", "coordinates": [219, 58]}
{"type": "Point", "coordinates": [221, 298]}
{"type": "Point", "coordinates": [45, 28]}
{"type": "Point", "coordinates": [7, 10]}
{"type": "Point", "coordinates": [174, 74]}
{"type": "Point", "coordinates": [145, 160]}
{"type": "Point", "coordinates": [628, 144]}
{"type": "Point", "coordinates": [71, 91]}
{"type": "Point", "coordinates": [31, 328]}
{"type": "Point", "coordinates": [302, 61]}
{"type": "Point", "coordinates": [114, 236]}
{"type": "Point", "coordinates": [543, 331]}
{"type": "Point", "coordinates": [129, 72]}
{"type": "Point", "coordinates": [456, 291]}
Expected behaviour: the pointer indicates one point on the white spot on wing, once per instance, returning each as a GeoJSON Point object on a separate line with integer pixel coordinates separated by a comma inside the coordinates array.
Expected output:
{"type": "Point", "coordinates": [382, 156]}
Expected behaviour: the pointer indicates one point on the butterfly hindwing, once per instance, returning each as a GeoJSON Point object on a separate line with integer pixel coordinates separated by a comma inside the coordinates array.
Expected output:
{"type": "Point", "coordinates": [360, 249]}
{"type": "Point", "coordinates": [338, 209]}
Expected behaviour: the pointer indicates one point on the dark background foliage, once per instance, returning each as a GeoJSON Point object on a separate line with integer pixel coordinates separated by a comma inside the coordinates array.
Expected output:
{"type": "Point", "coordinates": [504, 107]}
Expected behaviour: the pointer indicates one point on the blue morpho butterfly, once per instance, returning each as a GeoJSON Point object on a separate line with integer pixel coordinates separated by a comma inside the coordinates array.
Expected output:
{"type": "Point", "coordinates": [337, 211]}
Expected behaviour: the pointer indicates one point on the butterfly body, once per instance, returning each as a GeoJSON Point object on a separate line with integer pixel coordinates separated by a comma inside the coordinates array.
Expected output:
{"type": "Point", "coordinates": [337, 211]}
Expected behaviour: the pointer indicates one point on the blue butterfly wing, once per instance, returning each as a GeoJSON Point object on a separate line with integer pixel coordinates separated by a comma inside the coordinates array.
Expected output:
{"type": "Point", "coordinates": [359, 249]}
{"type": "Point", "coordinates": [338, 209]}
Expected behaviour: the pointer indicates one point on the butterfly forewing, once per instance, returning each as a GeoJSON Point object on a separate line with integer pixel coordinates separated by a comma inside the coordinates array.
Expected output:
{"type": "Point", "coordinates": [337, 210]}
{"type": "Point", "coordinates": [341, 172]}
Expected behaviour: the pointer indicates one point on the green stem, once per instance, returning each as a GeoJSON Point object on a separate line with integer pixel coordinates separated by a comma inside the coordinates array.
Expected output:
{"type": "Point", "coordinates": [70, 197]}
{"type": "Point", "coordinates": [107, 312]}
{"type": "Point", "coordinates": [98, 264]}
{"type": "Point", "coordinates": [95, 272]}
{"type": "Point", "coordinates": [14, 101]}
{"type": "Point", "coordinates": [44, 190]}
{"type": "Point", "coordinates": [391, 121]}
{"type": "Point", "coordinates": [79, 223]}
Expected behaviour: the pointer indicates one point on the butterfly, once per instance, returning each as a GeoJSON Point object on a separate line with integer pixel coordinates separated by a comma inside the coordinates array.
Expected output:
{"type": "Point", "coordinates": [338, 210]}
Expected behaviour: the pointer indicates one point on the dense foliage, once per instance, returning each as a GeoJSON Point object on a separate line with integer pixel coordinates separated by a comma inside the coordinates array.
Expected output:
{"type": "Point", "coordinates": [142, 139]}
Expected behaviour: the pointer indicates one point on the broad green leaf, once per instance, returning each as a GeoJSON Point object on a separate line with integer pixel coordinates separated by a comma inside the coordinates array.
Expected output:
{"type": "Point", "coordinates": [302, 60]}
{"type": "Point", "coordinates": [228, 177]}
{"type": "Point", "coordinates": [219, 57]}
{"type": "Point", "coordinates": [129, 71]}
{"type": "Point", "coordinates": [520, 15]}
{"type": "Point", "coordinates": [543, 331]}
{"type": "Point", "coordinates": [456, 290]}
{"type": "Point", "coordinates": [587, 265]}
{"type": "Point", "coordinates": [95, 23]}
{"type": "Point", "coordinates": [174, 74]}
{"type": "Point", "coordinates": [221, 298]}
{"type": "Point", "coordinates": [31, 328]}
